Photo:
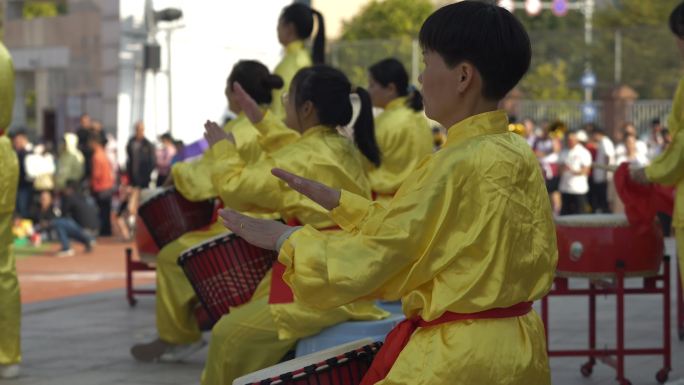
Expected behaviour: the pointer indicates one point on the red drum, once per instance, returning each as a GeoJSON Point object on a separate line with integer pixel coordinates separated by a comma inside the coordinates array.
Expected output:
{"type": "Point", "coordinates": [147, 248]}
{"type": "Point", "coordinates": [592, 245]}
{"type": "Point", "coordinates": [341, 365]}
{"type": "Point", "coordinates": [168, 215]}
{"type": "Point", "coordinates": [225, 271]}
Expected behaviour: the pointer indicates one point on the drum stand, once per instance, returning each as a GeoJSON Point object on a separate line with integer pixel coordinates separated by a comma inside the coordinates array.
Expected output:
{"type": "Point", "coordinates": [131, 267]}
{"type": "Point", "coordinates": [616, 357]}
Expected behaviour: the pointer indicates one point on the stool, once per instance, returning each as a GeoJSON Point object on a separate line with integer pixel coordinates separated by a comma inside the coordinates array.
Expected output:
{"type": "Point", "coordinates": [131, 267]}
{"type": "Point", "coordinates": [347, 332]}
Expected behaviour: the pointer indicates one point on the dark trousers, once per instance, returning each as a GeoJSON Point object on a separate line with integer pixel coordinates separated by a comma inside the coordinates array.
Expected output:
{"type": "Point", "coordinates": [573, 203]}
{"type": "Point", "coordinates": [599, 198]}
{"type": "Point", "coordinates": [24, 201]}
{"type": "Point", "coordinates": [66, 229]}
{"type": "Point", "coordinates": [104, 204]}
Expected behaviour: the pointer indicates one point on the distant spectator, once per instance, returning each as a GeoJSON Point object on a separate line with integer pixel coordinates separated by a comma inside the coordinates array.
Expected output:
{"type": "Point", "coordinates": [632, 154]}
{"type": "Point", "coordinates": [22, 146]}
{"type": "Point", "coordinates": [83, 133]}
{"type": "Point", "coordinates": [70, 164]}
{"type": "Point", "coordinates": [80, 208]}
{"type": "Point", "coordinates": [628, 129]}
{"type": "Point", "coordinates": [47, 218]}
{"type": "Point", "coordinates": [574, 184]}
{"type": "Point", "coordinates": [164, 158]}
{"type": "Point", "coordinates": [530, 131]}
{"type": "Point", "coordinates": [102, 184]}
{"type": "Point", "coordinates": [109, 143]}
{"type": "Point", "coordinates": [654, 139]}
{"type": "Point", "coordinates": [41, 168]}
{"type": "Point", "coordinates": [140, 163]}
{"type": "Point", "coordinates": [605, 155]}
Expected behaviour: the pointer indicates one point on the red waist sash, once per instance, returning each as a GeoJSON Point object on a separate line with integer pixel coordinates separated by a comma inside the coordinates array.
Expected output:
{"type": "Point", "coordinates": [398, 337]}
{"type": "Point", "coordinates": [280, 291]}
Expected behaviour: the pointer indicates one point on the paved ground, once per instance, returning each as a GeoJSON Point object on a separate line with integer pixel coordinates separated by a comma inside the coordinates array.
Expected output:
{"type": "Point", "coordinates": [84, 340]}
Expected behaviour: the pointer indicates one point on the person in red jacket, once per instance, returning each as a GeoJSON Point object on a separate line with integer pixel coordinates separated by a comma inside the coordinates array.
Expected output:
{"type": "Point", "coordinates": [102, 183]}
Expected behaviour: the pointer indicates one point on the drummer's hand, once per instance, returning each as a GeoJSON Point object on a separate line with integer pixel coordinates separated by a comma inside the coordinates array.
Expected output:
{"type": "Point", "coordinates": [327, 197]}
{"type": "Point", "coordinates": [214, 134]}
{"type": "Point", "coordinates": [247, 104]}
{"type": "Point", "coordinates": [638, 175]}
{"type": "Point", "coordinates": [263, 233]}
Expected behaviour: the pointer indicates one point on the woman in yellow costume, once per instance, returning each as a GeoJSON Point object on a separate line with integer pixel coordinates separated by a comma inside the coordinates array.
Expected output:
{"type": "Point", "coordinates": [10, 305]}
{"type": "Point", "coordinates": [295, 25]}
{"type": "Point", "coordinates": [179, 333]}
{"type": "Point", "coordinates": [668, 168]}
{"type": "Point", "coordinates": [402, 131]}
{"type": "Point", "coordinates": [468, 241]}
{"type": "Point", "coordinates": [261, 332]}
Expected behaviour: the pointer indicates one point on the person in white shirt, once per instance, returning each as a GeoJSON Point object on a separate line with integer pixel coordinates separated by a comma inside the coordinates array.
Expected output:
{"type": "Point", "coordinates": [574, 184]}
{"type": "Point", "coordinates": [629, 130]}
{"type": "Point", "coordinates": [654, 139]}
{"type": "Point", "coordinates": [632, 155]}
{"type": "Point", "coordinates": [605, 155]}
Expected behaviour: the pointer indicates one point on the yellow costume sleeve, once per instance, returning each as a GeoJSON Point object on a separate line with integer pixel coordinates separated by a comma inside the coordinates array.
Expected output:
{"type": "Point", "coordinates": [465, 241]}
{"type": "Point", "coordinates": [404, 138]}
{"type": "Point", "coordinates": [668, 168]}
{"type": "Point", "coordinates": [273, 133]}
{"type": "Point", "coordinates": [7, 90]}
{"type": "Point", "coordinates": [296, 57]}
{"type": "Point", "coordinates": [320, 153]}
{"type": "Point", "coordinates": [8, 159]}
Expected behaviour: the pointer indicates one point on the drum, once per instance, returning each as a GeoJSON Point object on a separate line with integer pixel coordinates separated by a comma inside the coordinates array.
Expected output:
{"type": "Point", "coordinates": [225, 271]}
{"type": "Point", "coordinates": [342, 365]}
{"type": "Point", "coordinates": [592, 245]}
{"type": "Point", "coordinates": [147, 248]}
{"type": "Point", "coordinates": [168, 215]}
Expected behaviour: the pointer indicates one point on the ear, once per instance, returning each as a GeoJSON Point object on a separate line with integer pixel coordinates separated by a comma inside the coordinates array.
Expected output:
{"type": "Point", "coordinates": [392, 89]}
{"type": "Point", "coordinates": [465, 73]}
{"type": "Point", "coordinates": [306, 110]}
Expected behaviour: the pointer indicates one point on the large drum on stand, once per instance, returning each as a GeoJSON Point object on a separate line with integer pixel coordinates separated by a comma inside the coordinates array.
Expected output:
{"type": "Point", "coordinates": [591, 245]}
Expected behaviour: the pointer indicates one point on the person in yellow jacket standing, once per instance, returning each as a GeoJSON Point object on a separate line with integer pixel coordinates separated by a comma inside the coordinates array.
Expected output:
{"type": "Point", "coordinates": [295, 25]}
{"type": "Point", "coordinates": [178, 329]}
{"type": "Point", "coordinates": [467, 243]}
{"type": "Point", "coordinates": [260, 332]}
{"type": "Point", "coordinates": [402, 130]}
{"type": "Point", "coordinates": [10, 305]}
{"type": "Point", "coordinates": [668, 168]}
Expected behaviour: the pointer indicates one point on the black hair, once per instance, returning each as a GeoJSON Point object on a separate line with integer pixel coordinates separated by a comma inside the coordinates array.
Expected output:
{"type": "Point", "coordinates": [256, 80]}
{"type": "Point", "coordinates": [302, 17]}
{"type": "Point", "coordinates": [487, 36]}
{"type": "Point", "coordinates": [328, 89]}
{"type": "Point", "coordinates": [677, 21]}
{"type": "Point", "coordinates": [655, 121]}
{"type": "Point", "coordinates": [390, 70]}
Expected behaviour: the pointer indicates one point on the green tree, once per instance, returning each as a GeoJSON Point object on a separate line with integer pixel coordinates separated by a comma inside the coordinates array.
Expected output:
{"type": "Point", "coordinates": [548, 81]}
{"type": "Point", "coordinates": [36, 9]}
{"type": "Point", "coordinates": [381, 29]}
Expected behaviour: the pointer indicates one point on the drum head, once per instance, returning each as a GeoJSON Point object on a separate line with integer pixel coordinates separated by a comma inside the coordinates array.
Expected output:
{"type": "Point", "coordinates": [592, 220]}
{"type": "Point", "coordinates": [301, 362]}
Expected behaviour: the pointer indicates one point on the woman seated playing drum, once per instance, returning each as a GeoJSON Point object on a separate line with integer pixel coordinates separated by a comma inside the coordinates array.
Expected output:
{"type": "Point", "coordinates": [259, 334]}
{"type": "Point", "coordinates": [179, 333]}
{"type": "Point", "coordinates": [402, 131]}
{"type": "Point", "coordinates": [467, 242]}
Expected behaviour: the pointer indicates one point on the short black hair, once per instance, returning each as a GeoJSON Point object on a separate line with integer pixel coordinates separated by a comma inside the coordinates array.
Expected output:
{"type": "Point", "coordinates": [655, 121]}
{"type": "Point", "coordinates": [487, 36]}
{"type": "Point", "coordinates": [677, 21]}
{"type": "Point", "coordinates": [256, 80]}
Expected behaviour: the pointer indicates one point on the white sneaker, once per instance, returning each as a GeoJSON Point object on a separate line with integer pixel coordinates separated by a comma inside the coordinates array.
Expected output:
{"type": "Point", "coordinates": [9, 371]}
{"type": "Point", "coordinates": [65, 253]}
{"type": "Point", "coordinates": [177, 353]}
{"type": "Point", "coordinates": [161, 351]}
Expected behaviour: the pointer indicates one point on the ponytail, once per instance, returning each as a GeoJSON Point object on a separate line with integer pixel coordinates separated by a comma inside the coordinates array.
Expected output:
{"type": "Point", "coordinates": [364, 129]}
{"type": "Point", "coordinates": [318, 50]}
{"type": "Point", "coordinates": [415, 99]}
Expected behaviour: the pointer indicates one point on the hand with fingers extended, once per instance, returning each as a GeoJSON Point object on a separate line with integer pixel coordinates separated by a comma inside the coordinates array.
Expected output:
{"type": "Point", "coordinates": [248, 105]}
{"type": "Point", "coordinates": [263, 233]}
{"type": "Point", "coordinates": [327, 197]}
{"type": "Point", "coordinates": [214, 133]}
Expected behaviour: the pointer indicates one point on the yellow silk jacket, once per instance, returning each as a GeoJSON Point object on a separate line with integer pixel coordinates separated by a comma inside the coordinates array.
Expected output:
{"type": "Point", "coordinates": [404, 138]}
{"type": "Point", "coordinates": [668, 168]}
{"type": "Point", "coordinates": [193, 179]}
{"type": "Point", "coordinates": [9, 173]}
{"type": "Point", "coordinates": [296, 57]}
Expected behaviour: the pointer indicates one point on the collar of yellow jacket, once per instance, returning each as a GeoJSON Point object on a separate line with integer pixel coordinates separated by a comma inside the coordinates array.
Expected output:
{"type": "Point", "coordinates": [316, 130]}
{"type": "Point", "coordinates": [487, 123]}
{"type": "Point", "coordinates": [295, 46]}
{"type": "Point", "coordinates": [396, 103]}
